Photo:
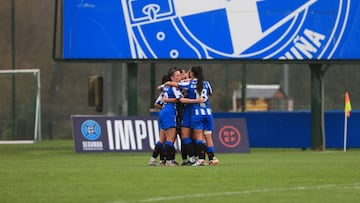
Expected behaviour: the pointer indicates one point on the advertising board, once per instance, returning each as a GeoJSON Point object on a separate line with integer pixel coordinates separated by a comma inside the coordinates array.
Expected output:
{"type": "Point", "coordinates": [139, 134]}
{"type": "Point", "coordinates": [211, 29]}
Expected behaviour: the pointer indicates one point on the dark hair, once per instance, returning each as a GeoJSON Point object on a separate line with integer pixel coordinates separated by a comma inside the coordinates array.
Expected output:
{"type": "Point", "coordinates": [198, 73]}
{"type": "Point", "coordinates": [172, 71]}
{"type": "Point", "coordinates": [165, 78]}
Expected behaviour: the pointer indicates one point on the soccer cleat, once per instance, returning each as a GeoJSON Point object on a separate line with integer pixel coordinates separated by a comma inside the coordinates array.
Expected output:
{"type": "Point", "coordinates": [162, 163]}
{"type": "Point", "coordinates": [192, 160]}
{"type": "Point", "coordinates": [184, 163]}
{"type": "Point", "coordinates": [199, 162]}
{"type": "Point", "coordinates": [171, 163]}
{"type": "Point", "coordinates": [152, 162]}
{"type": "Point", "coordinates": [214, 162]}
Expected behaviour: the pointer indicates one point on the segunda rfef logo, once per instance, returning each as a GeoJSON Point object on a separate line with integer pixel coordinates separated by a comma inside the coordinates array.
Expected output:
{"type": "Point", "coordinates": [91, 130]}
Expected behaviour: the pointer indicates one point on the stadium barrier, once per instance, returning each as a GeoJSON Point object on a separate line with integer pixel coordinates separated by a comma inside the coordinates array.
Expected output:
{"type": "Point", "coordinates": [293, 129]}
{"type": "Point", "coordinates": [255, 130]}
{"type": "Point", "coordinates": [139, 134]}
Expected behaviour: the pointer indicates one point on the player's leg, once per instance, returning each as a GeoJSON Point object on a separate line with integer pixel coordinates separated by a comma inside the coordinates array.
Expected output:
{"type": "Point", "coordinates": [169, 147]}
{"type": "Point", "coordinates": [158, 149]}
{"type": "Point", "coordinates": [208, 128]}
{"type": "Point", "coordinates": [200, 147]}
{"type": "Point", "coordinates": [188, 143]}
{"type": "Point", "coordinates": [179, 120]}
{"type": "Point", "coordinates": [186, 134]}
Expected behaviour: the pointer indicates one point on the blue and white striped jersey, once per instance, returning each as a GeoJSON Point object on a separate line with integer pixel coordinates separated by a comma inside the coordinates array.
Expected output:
{"type": "Point", "coordinates": [160, 99]}
{"type": "Point", "coordinates": [167, 115]}
{"type": "Point", "coordinates": [198, 108]}
{"type": "Point", "coordinates": [171, 92]}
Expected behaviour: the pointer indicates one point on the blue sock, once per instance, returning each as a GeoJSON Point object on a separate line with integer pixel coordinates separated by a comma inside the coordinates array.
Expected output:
{"type": "Point", "coordinates": [159, 144]}
{"type": "Point", "coordinates": [187, 140]}
{"type": "Point", "coordinates": [169, 143]}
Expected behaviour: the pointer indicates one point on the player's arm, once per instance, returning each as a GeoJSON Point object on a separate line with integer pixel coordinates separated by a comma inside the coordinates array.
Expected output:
{"type": "Point", "coordinates": [159, 101]}
{"type": "Point", "coordinates": [210, 92]}
{"type": "Point", "coordinates": [169, 100]}
{"type": "Point", "coordinates": [172, 84]}
{"type": "Point", "coordinates": [160, 87]}
{"type": "Point", "coordinates": [158, 106]}
{"type": "Point", "coordinates": [192, 101]}
{"type": "Point", "coordinates": [177, 94]}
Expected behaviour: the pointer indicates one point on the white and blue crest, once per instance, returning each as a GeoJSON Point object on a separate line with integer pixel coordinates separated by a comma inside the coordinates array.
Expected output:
{"type": "Point", "coordinates": [212, 29]}
{"type": "Point", "coordinates": [235, 29]}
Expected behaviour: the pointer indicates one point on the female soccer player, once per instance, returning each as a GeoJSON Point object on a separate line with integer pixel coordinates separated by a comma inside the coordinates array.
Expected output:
{"type": "Point", "coordinates": [167, 116]}
{"type": "Point", "coordinates": [186, 131]}
{"type": "Point", "coordinates": [202, 122]}
{"type": "Point", "coordinates": [179, 116]}
{"type": "Point", "coordinates": [159, 146]}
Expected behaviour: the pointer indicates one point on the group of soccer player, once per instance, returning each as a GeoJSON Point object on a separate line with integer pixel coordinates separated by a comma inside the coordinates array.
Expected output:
{"type": "Point", "coordinates": [185, 111]}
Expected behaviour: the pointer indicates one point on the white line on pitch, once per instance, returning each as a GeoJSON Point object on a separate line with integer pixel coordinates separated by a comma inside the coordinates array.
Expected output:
{"type": "Point", "coordinates": [176, 197]}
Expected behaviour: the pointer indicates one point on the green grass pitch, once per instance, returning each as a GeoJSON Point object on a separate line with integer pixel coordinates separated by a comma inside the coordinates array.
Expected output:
{"type": "Point", "coordinates": [51, 171]}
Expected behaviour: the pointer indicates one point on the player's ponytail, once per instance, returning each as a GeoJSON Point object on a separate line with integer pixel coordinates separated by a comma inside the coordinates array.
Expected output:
{"type": "Point", "coordinates": [198, 73]}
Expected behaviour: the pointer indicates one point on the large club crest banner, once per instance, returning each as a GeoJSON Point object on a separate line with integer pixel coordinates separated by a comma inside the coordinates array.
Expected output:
{"type": "Point", "coordinates": [211, 29]}
{"type": "Point", "coordinates": [139, 134]}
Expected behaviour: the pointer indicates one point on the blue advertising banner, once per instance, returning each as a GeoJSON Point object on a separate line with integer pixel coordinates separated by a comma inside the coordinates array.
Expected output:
{"type": "Point", "coordinates": [211, 29]}
{"type": "Point", "coordinates": [139, 134]}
